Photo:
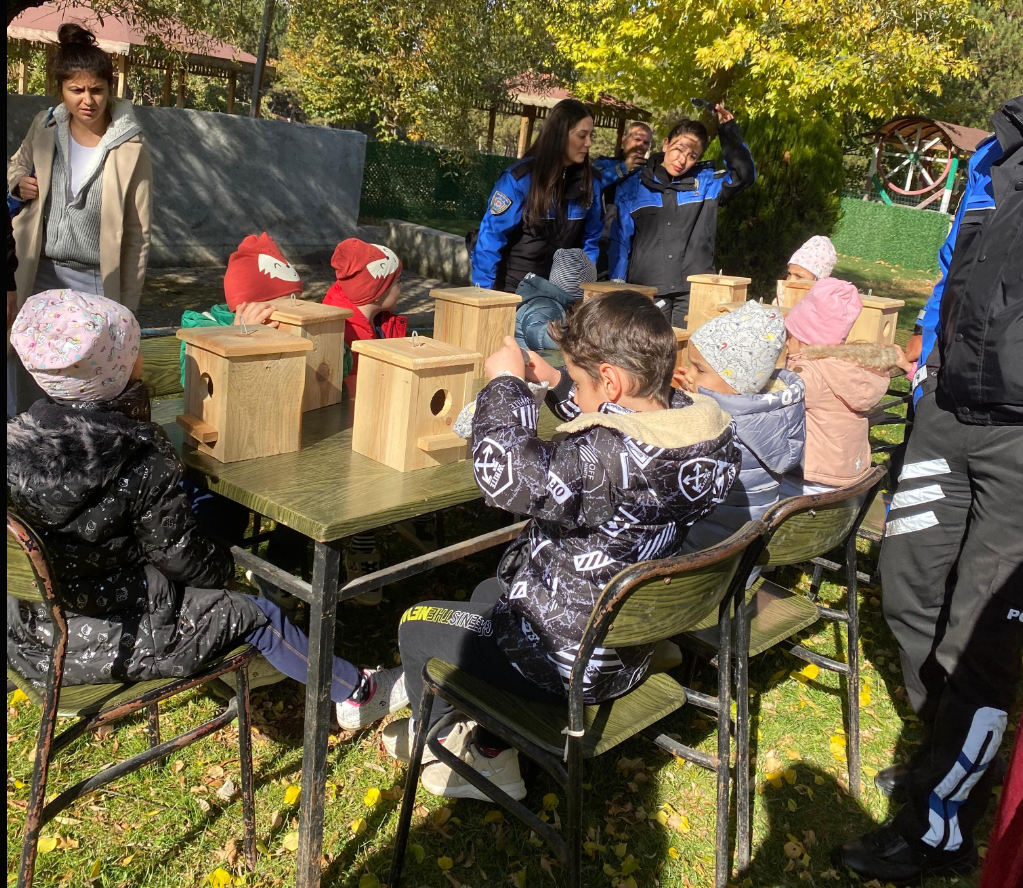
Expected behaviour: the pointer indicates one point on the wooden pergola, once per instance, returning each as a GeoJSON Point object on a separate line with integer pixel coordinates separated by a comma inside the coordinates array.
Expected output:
{"type": "Point", "coordinates": [186, 52]}
{"type": "Point", "coordinates": [529, 97]}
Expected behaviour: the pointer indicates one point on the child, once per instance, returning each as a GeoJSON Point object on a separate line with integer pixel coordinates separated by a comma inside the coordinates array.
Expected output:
{"type": "Point", "coordinates": [844, 382]}
{"type": "Point", "coordinates": [544, 301]}
{"type": "Point", "coordinates": [640, 462]}
{"type": "Point", "coordinates": [732, 359]}
{"type": "Point", "coordinates": [813, 261]}
{"type": "Point", "coordinates": [368, 283]}
{"type": "Point", "coordinates": [144, 588]}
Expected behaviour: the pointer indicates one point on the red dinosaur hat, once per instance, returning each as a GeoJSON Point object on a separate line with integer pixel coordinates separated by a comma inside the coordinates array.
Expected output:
{"type": "Point", "coordinates": [257, 272]}
{"type": "Point", "coordinates": [365, 271]}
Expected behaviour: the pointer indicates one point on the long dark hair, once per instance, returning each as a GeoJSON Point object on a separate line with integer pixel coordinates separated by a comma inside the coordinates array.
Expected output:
{"type": "Point", "coordinates": [547, 173]}
{"type": "Point", "coordinates": [79, 53]}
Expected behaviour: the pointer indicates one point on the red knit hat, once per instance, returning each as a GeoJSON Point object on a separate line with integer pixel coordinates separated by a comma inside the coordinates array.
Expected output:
{"type": "Point", "coordinates": [365, 271]}
{"type": "Point", "coordinates": [257, 272]}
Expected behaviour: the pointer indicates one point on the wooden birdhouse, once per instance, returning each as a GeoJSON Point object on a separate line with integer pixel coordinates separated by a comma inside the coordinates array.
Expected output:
{"type": "Point", "coordinates": [243, 391]}
{"type": "Point", "coordinates": [324, 326]}
{"type": "Point", "coordinates": [709, 292]}
{"type": "Point", "coordinates": [593, 288]}
{"type": "Point", "coordinates": [877, 321]}
{"type": "Point", "coordinates": [409, 393]}
{"type": "Point", "coordinates": [790, 292]}
{"type": "Point", "coordinates": [474, 318]}
{"type": "Point", "coordinates": [682, 347]}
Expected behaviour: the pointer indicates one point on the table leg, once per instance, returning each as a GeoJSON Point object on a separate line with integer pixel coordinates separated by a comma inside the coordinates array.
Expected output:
{"type": "Point", "coordinates": [322, 610]}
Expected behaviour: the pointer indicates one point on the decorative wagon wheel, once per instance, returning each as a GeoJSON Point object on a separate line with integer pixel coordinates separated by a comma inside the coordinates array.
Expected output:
{"type": "Point", "coordinates": [913, 158]}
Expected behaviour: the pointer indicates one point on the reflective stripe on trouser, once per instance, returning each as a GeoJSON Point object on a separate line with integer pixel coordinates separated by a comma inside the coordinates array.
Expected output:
{"type": "Point", "coordinates": [952, 579]}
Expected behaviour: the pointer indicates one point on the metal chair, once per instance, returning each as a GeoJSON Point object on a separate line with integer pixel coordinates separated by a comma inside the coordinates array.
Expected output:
{"type": "Point", "coordinates": [644, 604]}
{"type": "Point", "coordinates": [30, 578]}
{"type": "Point", "coordinates": [798, 530]}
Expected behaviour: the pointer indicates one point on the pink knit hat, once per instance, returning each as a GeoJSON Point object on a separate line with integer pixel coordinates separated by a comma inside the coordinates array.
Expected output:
{"type": "Point", "coordinates": [78, 347]}
{"type": "Point", "coordinates": [825, 315]}
{"type": "Point", "coordinates": [817, 256]}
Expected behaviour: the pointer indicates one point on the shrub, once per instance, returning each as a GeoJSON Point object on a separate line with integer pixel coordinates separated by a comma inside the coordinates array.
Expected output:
{"type": "Point", "coordinates": [796, 195]}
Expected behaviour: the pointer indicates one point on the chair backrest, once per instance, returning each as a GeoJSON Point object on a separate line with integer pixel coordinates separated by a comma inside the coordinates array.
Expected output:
{"type": "Point", "coordinates": [806, 527]}
{"type": "Point", "coordinates": [655, 600]}
{"type": "Point", "coordinates": [161, 365]}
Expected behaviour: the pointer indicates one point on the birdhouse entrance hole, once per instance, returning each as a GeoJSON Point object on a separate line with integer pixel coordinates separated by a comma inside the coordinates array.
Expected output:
{"type": "Point", "coordinates": [208, 383]}
{"type": "Point", "coordinates": [440, 403]}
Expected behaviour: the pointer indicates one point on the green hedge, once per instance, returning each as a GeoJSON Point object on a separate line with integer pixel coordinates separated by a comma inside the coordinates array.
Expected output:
{"type": "Point", "coordinates": [412, 182]}
{"type": "Point", "coordinates": [896, 235]}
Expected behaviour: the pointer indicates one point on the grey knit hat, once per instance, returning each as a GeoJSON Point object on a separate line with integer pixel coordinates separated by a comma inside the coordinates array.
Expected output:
{"type": "Point", "coordinates": [743, 346]}
{"type": "Point", "coordinates": [570, 269]}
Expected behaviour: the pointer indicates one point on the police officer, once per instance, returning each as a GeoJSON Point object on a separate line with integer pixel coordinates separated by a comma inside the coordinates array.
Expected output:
{"type": "Point", "coordinates": [547, 201]}
{"type": "Point", "coordinates": [952, 560]}
{"type": "Point", "coordinates": [666, 221]}
{"type": "Point", "coordinates": [631, 157]}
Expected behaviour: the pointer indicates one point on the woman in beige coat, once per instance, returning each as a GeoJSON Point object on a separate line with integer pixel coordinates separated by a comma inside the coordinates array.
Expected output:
{"type": "Point", "coordinates": [85, 176]}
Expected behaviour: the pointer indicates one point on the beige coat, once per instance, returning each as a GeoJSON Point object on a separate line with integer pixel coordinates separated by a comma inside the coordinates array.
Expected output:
{"type": "Point", "coordinates": [125, 208]}
{"type": "Point", "coordinates": [843, 384]}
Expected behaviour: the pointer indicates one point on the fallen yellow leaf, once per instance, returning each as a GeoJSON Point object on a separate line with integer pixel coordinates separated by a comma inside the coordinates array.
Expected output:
{"type": "Point", "coordinates": [673, 853]}
{"type": "Point", "coordinates": [358, 826]}
{"type": "Point", "coordinates": [791, 805]}
{"type": "Point", "coordinates": [865, 698]}
{"type": "Point", "coordinates": [493, 816]}
{"type": "Point", "coordinates": [97, 867]}
{"type": "Point", "coordinates": [790, 776]}
{"type": "Point", "coordinates": [127, 860]}
{"type": "Point", "coordinates": [810, 672]}
{"type": "Point", "coordinates": [551, 801]}
{"type": "Point", "coordinates": [869, 771]}
{"type": "Point", "coordinates": [445, 863]}
{"type": "Point", "coordinates": [46, 844]}
{"type": "Point", "coordinates": [292, 794]}
{"type": "Point", "coordinates": [19, 696]}
{"type": "Point", "coordinates": [371, 799]}
{"type": "Point", "coordinates": [418, 853]}
{"type": "Point", "coordinates": [219, 878]}
{"type": "Point", "coordinates": [369, 881]}
{"type": "Point", "coordinates": [290, 841]}
{"type": "Point", "coordinates": [621, 849]}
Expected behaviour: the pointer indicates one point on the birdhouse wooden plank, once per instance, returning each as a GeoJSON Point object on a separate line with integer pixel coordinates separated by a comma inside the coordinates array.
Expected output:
{"type": "Point", "coordinates": [474, 318]}
{"type": "Point", "coordinates": [709, 291]}
{"type": "Point", "coordinates": [409, 393]}
{"type": "Point", "coordinates": [790, 292]}
{"type": "Point", "coordinates": [877, 321]}
{"type": "Point", "coordinates": [593, 288]}
{"type": "Point", "coordinates": [324, 326]}
{"type": "Point", "coordinates": [681, 347]}
{"type": "Point", "coordinates": [243, 391]}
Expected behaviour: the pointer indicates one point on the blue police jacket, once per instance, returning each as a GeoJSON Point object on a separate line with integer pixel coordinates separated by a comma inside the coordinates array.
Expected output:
{"type": "Point", "coordinates": [507, 249]}
{"type": "Point", "coordinates": [665, 229]}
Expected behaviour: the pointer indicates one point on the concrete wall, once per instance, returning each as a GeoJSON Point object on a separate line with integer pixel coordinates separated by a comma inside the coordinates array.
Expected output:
{"type": "Point", "coordinates": [429, 252]}
{"type": "Point", "coordinates": [219, 177]}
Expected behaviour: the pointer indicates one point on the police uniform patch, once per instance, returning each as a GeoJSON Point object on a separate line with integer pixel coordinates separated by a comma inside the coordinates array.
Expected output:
{"type": "Point", "coordinates": [499, 202]}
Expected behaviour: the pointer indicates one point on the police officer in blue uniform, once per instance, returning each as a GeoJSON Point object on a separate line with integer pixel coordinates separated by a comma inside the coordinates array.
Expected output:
{"type": "Point", "coordinates": [666, 221]}
{"type": "Point", "coordinates": [545, 202]}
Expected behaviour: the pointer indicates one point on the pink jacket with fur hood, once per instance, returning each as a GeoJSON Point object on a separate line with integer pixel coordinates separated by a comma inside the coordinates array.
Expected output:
{"type": "Point", "coordinates": [843, 384]}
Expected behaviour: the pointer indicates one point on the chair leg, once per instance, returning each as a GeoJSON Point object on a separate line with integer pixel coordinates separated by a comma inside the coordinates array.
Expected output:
{"type": "Point", "coordinates": [575, 812]}
{"type": "Point", "coordinates": [408, 802]}
{"type": "Point", "coordinates": [722, 859]}
{"type": "Point", "coordinates": [37, 795]}
{"type": "Point", "coordinates": [815, 581]}
{"type": "Point", "coordinates": [153, 730]}
{"type": "Point", "coordinates": [245, 760]}
{"type": "Point", "coordinates": [853, 657]}
{"type": "Point", "coordinates": [743, 796]}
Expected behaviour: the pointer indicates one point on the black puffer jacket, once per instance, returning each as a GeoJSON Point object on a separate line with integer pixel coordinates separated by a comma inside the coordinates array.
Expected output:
{"type": "Point", "coordinates": [622, 487]}
{"type": "Point", "coordinates": [104, 492]}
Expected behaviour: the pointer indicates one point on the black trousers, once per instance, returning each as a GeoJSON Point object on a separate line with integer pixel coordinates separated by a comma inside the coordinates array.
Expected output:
{"type": "Point", "coordinates": [459, 633]}
{"type": "Point", "coordinates": [952, 579]}
{"type": "Point", "coordinates": [675, 307]}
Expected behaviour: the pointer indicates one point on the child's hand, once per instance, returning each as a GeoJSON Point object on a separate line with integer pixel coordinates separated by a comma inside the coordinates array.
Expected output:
{"type": "Point", "coordinates": [507, 359]}
{"type": "Point", "coordinates": [724, 115]}
{"type": "Point", "coordinates": [902, 362]}
{"type": "Point", "coordinates": [538, 370]}
{"type": "Point", "coordinates": [684, 380]}
{"type": "Point", "coordinates": [255, 313]}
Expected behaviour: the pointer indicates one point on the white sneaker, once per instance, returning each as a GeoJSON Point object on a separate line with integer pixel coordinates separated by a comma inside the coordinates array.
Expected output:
{"type": "Point", "coordinates": [502, 770]}
{"type": "Point", "coordinates": [358, 564]}
{"type": "Point", "coordinates": [400, 735]}
{"type": "Point", "coordinates": [387, 695]}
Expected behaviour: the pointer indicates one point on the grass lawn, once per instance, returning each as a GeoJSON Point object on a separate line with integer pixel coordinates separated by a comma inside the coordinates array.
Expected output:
{"type": "Point", "coordinates": [169, 827]}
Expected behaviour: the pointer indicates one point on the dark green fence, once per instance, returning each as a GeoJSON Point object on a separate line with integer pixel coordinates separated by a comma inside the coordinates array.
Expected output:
{"type": "Point", "coordinates": [899, 236]}
{"type": "Point", "coordinates": [413, 182]}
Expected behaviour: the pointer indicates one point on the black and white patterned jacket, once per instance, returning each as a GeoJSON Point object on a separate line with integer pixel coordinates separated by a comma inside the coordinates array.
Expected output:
{"type": "Point", "coordinates": [622, 487]}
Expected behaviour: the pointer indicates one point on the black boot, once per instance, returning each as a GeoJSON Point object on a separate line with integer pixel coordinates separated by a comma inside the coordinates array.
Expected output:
{"type": "Point", "coordinates": [887, 856]}
{"type": "Point", "coordinates": [893, 781]}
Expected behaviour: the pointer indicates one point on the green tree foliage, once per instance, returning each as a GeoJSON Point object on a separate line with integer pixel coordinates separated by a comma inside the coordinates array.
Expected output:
{"type": "Point", "coordinates": [796, 195]}
{"type": "Point", "coordinates": [414, 68]}
{"type": "Point", "coordinates": [996, 49]}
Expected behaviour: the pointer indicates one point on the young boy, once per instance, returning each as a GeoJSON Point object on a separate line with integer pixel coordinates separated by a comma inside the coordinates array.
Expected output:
{"type": "Point", "coordinates": [732, 359]}
{"type": "Point", "coordinates": [640, 462]}
{"type": "Point", "coordinates": [144, 588]}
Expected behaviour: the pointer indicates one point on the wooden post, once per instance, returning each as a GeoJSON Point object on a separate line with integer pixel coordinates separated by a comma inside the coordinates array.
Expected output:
{"type": "Point", "coordinates": [264, 39]}
{"type": "Point", "coordinates": [491, 124]}
{"type": "Point", "coordinates": [526, 131]}
{"type": "Point", "coordinates": [22, 69]}
{"type": "Point", "coordinates": [122, 76]}
{"type": "Point", "coordinates": [621, 135]}
{"type": "Point", "coordinates": [181, 88]}
{"type": "Point", "coordinates": [232, 86]}
{"type": "Point", "coordinates": [168, 77]}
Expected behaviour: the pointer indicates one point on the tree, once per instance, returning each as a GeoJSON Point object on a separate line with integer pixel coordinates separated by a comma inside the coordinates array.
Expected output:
{"type": "Point", "coordinates": [819, 57]}
{"type": "Point", "coordinates": [411, 69]}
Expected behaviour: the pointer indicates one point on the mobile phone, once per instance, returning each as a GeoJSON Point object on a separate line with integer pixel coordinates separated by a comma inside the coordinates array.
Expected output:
{"type": "Point", "coordinates": [703, 104]}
